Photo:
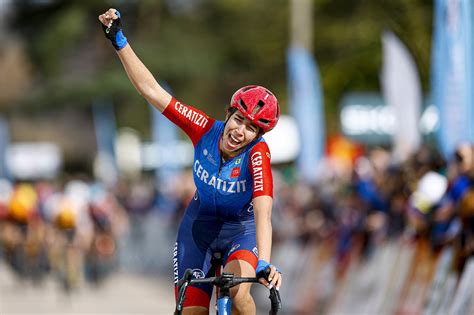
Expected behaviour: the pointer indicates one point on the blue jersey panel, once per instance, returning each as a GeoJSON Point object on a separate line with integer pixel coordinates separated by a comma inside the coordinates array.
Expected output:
{"type": "Point", "coordinates": [224, 188]}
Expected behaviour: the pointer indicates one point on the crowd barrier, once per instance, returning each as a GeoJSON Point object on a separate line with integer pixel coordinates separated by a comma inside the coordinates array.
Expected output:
{"type": "Point", "coordinates": [398, 278]}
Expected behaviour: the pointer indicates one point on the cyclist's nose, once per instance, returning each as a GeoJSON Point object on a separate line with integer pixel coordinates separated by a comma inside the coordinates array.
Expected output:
{"type": "Point", "coordinates": [241, 129]}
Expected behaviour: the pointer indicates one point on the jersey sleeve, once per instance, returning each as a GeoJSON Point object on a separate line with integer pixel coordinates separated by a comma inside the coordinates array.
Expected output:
{"type": "Point", "coordinates": [191, 120]}
{"type": "Point", "coordinates": [259, 164]}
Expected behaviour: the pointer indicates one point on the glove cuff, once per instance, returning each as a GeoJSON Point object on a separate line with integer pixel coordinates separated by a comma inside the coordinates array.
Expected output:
{"type": "Point", "coordinates": [120, 40]}
{"type": "Point", "coordinates": [262, 264]}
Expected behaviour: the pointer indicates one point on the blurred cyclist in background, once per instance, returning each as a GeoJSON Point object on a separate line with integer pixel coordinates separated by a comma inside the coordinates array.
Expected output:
{"type": "Point", "coordinates": [231, 210]}
{"type": "Point", "coordinates": [109, 222]}
{"type": "Point", "coordinates": [68, 213]}
{"type": "Point", "coordinates": [462, 174]}
{"type": "Point", "coordinates": [5, 195]}
{"type": "Point", "coordinates": [24, 234]}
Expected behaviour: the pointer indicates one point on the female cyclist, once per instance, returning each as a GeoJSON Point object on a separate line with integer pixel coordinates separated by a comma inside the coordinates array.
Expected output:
{"type": "Point", "coordinates": [231, 210]}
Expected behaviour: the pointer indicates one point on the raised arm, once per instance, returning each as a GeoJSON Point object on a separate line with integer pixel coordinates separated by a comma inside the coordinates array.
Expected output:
{"type": "Point", "coordinates": [137, 72]}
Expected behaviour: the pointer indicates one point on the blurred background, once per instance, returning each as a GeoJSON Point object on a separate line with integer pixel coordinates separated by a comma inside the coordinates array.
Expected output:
{"type": "Point", "coordinates": [372, 158]}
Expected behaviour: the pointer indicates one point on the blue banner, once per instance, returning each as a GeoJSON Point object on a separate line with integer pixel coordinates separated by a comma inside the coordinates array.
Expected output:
{"type": "Point", "coordinates": [306, 106]}
{"type": "Point", "coordinates": [4, 143]}
{"type": "Point", "coordinates": [104, 123]}
{"type": "Point", "coordinates": [452, 72]}
{"type": "Point", "coordinates": [165, 136]}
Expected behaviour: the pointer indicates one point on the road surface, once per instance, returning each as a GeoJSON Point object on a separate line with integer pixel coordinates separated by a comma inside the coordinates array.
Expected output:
{"type": "Point", "coordinates": [122, 293]}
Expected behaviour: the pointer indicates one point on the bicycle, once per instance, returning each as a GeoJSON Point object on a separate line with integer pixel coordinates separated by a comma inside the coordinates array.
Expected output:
{"type": "Point", "coordinates": [223, 282]}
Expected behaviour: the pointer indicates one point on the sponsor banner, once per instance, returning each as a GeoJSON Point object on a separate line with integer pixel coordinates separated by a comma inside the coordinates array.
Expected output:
{"type": "Point", "coordinates": [165, 136]}
{"type": "Point", "coordinates": [33, 160]}
{"type": "Point", "coordinates": [452, 72]}
{"type": "Point", "coordinates": [402, 91]}
{"type": "Point", "coordinates": [306, 106]}
{"type": "Point", "coordinates": [104, 124]}
{"type": "Point", "coordinates": [165, 140]}
{"type": "Point", "coordinates": [4, 142]}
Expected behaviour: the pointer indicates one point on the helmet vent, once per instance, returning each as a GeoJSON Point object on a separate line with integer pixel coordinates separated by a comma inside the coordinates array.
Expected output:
{"type": "Point", "coordinates": [242, 104]}
{"type": "Point", "coordinates": [264, 122]}
{"type": "Point", "coordinates": [257, 108]}
{"type": "Point", "coordinates": [247, 88]}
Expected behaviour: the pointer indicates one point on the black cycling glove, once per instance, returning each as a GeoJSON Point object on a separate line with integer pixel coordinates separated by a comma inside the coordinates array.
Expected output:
{"type": "Point", "coordinates": [114, 33]}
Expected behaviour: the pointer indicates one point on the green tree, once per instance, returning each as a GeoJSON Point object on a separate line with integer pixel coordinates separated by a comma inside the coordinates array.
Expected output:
{"type": "Point", "coordinates": [208, 50]}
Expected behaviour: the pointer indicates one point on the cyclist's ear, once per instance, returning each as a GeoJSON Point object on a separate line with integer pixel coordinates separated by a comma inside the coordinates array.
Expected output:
{"type": "Point", "coordinates": [229, 111]}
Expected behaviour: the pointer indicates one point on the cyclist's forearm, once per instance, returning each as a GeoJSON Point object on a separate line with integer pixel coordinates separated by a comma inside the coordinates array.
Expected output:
{"type": "Point", "coordinates": [263, 222]}
{"type": "Point", "coordinates": [142, 79]}
{"type": "Point", "coordinates": [264, 241]}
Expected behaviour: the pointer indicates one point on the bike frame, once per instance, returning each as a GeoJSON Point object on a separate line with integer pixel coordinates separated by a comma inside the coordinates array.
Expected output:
{"type": "Point", "coordinates": [224, 306]}
{"type": "Point", "coordinates": [223, 301]}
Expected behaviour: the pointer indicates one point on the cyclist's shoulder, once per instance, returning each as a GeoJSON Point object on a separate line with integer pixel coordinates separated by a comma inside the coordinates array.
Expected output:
{"type": "Point", "coordinates": [188, 111]}
{"type": "Point", "coordinates": [212, 135]}
{"type": "Point", "coordinates": [260, 147]}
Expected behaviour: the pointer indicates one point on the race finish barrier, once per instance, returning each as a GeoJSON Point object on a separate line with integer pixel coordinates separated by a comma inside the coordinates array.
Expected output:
{"type": "Point", "coordinates": [464, 299]}
{"type": "Point", "coordinates": [309, 280]}
{"type": "Point", "coordinates": [372, 286]}
{"type": "Point", "coordinates": [441, 292]}
{"type": "Point", "coordinates": [398, 278]}
{"type": "Point", "coordinates": [416, 288]}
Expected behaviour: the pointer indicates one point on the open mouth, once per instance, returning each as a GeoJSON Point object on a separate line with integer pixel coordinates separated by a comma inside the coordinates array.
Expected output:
{"type": "Point", "coordinates": [233, 143]}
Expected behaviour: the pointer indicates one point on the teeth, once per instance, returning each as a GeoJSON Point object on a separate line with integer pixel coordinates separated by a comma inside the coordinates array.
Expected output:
{"type": "Point", "coordinates": [235, 140]}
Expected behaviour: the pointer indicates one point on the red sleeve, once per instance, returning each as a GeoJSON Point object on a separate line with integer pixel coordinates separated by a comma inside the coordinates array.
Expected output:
{"type": "Point", "coordinates": [259, 164]}
{"type": "Point", "coordinates": [191, 120]}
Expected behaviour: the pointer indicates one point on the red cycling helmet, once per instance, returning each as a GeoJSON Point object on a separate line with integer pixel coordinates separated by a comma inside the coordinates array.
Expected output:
{"type": "Point", "coordinates": [257, 104]}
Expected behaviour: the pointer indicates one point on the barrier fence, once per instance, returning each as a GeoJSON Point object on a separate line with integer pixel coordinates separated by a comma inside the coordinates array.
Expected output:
{"type": "Point", "coordinates": [399, 278]}
{"type": "Point", "coordinates": [396, 278]}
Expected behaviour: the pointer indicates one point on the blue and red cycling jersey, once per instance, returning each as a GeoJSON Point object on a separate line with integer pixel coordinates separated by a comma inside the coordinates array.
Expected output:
{"type": "Point", "coordinates": [220, 216]}
{"type": "Point", "coordinates": [226, 189]}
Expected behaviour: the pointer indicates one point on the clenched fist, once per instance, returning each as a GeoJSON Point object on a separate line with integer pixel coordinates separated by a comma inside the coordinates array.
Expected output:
{"type": "Point", "coordinates": [112, 27]}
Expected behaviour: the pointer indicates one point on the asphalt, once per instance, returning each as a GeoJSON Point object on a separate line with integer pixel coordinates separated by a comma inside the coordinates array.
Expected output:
{"type": "Point", "coordinates": [121, 293]}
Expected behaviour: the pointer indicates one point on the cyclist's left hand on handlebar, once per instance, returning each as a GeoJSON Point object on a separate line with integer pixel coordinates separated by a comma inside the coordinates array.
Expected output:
{"type": "Point", "coordinates": [273, 279]}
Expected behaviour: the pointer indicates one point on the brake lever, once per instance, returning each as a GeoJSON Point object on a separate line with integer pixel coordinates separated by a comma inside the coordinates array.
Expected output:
{"type": "Point", "coordinates": [182, 287]}
{"type": "Point", "coordinates": [275, 301]}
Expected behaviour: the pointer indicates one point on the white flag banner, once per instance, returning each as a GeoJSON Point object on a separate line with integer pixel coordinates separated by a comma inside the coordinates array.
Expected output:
{"type": "Point", "coordinates": [402, 91]}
